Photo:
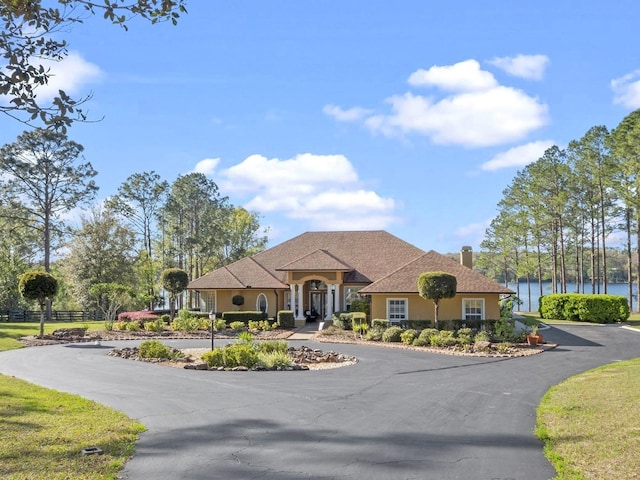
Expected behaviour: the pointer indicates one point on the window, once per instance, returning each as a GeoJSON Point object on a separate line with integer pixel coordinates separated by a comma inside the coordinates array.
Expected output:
{"type": "Point", "coordinates": [208, 301]}
{"type": "Point", "coordinates": [261, 303]}
{"type": "Point", "coordinates": [350, 294]}
{"type": "Point", "coordinates": [397, 309]}
{"type": "Point", "coordinates": [473, 308]}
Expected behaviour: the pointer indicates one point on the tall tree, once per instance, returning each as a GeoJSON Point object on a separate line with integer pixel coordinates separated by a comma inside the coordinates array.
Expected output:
{"type": "Point", "coordinates": [243, 235]}
{"type": "Point", "coordinates": [32, 33]}
{"type": "Point", "coordinates": [101, 252]}
{"type": "Point", "coordinates": [43, 180]}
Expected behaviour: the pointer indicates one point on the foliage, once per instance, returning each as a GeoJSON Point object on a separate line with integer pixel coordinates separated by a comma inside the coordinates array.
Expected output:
{"type": "Point", "coordinates": [426, 335]}
{"type": "Point", "coordinates": [268, 346]}
{"type": "Point", "coordinates": [465, 336]}
{"type": "Point", "coordinates": [392, 334]}
{"type": "Point", "coordinates": [380, 323]}
{"type": "Point", "coordinates": [242, 236]}
{"type": "Point", "coordinates": [31, 39]}
{"type": "Point", "coordinates": [244, 317]}
{"type": "Point", "coordinates": [108, 325]}
{"type": "Point", "coordinates": [154, 326]}
{"type": "Point", "coordinates": [187, 323]}
{"type": "Point", "coordinates": [445, 338]}
{"type": "Point", "coordinates": [237, 300]}
{"type": "Point", "coordinates": [343, 321]}
{"type": "Point", "coordinates": [65, 425]}
{"type": "Point", "coordinates": [174, 281]}
{"type": "Point", "coordinates": [156, 349]}
{"type": "Point", "coordinates": [219, 324]}
{"type": "Point", "coordinates": [360, 304]}
{"type": "Point", "coordinates": [585, 308]}
{"type": "Point", "coordinates": [436, 286]}
{"type": "Point", "coordinates": [504, 329]}
{"type": "Point", "coordinates": [101, 252]}
{"type": "Point", "coordinates": [286, 319]}
{"type": "Point", "coordinates": [482, 336]}
{"type": "Point", "coordinates": [237, 326]}
{"type": "Point", "coordinates": [245, 337]}
{"type": "Point", "coordinates": [275, 359]}
{"type": "Point", "coordinates": [231, 356]}
{"type": "Point", "coordinates": [40, 286]}
{"type": "Point", "coordinates": [408, 336]}
{"type": "Point", "coordinates": [110, 297]}
{"type": "Point", "coordinates": [139, 317]}
{"type": "Point", "coordinates": [41, 180]}
{"type": "Point", "coordinates": [263, 325]}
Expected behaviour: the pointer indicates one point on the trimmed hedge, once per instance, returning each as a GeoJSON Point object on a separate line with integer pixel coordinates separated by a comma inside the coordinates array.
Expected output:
{"type": "Point", "coordinates": [286, 319]}
{"type": "Point", "coordinates": [244, 317]}
{"type": "Point", "coordinates": [594, 308]}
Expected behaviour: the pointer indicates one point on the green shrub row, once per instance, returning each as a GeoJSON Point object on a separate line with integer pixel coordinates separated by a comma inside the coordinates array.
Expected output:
{"type": "Point", "coordinates": [594, 308]}
{"type": "Point", "coordinates": [158, 350]}
{"type": "Point", "coordinates": [246, 353]}
{"type": "Point", "coordinates": [244, 317]}
{"type": "Point", "coordinates": [286, 319]}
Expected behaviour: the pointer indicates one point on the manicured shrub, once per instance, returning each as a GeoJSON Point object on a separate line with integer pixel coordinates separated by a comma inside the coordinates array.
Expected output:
{"type": "Point", "coordinates": [286, 319]}
{"type": "Point", "coordinates": [236, 326]}
{"type": "Point", "coordinates": [375, 333]}
{"type": "Point", "coordinates": [237, 300]}
{"type": "Point", "coordinates": [241, 355]}
{"type": "Point", "coordinates": [254, 325]}
{"type": "Point", "coordinates": [244, 317]}
{"type": "Point", "coordinates": [420, 342]}
{"type": "Point", "coordinates": [274, 359]}
{"type": "Point", "coordinates": [504, 329]}
{"type": "Point", "coordinates": [381, 323]}
{"type": "Point", "coordinates": [416, 324]}
{"type": "Point", "coordinates": [445, 338]}
{"type": "Point", "coordinates": [392, 334]}
{"type": "Point", "coordinates": [343, 321]}
{"type": "Point", "coordinates": [185, 322]}
{"type": "Point", "coordinates": [156, 349]}
{"type": "Point", "coordinates": [408, 336]}
{"type": "Point", "coordinates": [266, 325]}
{"type": "Point", "coordinates": [131, 326]}
{"type": "Point", "coordinates": [214, 358]}
{"type": "Point", "coordinates": [585, 307]}
{"type": "Point", "coordinates": [482, 336]}
{"type": "Point", "coordinates": [219, 324]}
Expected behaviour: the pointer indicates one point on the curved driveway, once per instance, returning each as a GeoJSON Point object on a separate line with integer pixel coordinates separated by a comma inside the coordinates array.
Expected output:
{"type": "Point", "coordinates": [397, 414]}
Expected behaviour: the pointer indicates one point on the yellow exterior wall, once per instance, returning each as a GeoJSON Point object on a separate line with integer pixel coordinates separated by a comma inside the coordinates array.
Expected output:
{"type": "Point", "coordinates": [450, 308]}
{"type": "Point", "coordinates": [224, 297]}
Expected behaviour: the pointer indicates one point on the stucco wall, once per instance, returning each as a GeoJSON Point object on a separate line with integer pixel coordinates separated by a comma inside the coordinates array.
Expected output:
{"type": "Point", "coordinates": [421, 309]}
{"type": "Point", "coordinates": [224, 297]}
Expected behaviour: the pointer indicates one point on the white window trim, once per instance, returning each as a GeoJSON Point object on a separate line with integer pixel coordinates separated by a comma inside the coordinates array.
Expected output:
{"type": "Point", "coordinates": [266, 301]}
{"type": "Point", "coordinates": [464, 310]}
{"type": "Point", "coordinates": [406, 310]}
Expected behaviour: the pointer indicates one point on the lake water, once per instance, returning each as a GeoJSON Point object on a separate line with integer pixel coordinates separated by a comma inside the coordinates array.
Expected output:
{"type": "Point", "coordinates": [612, 289]}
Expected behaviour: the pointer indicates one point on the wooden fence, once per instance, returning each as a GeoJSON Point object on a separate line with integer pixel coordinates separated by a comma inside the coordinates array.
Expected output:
{"type": "Point", "coordinates": [56, 315]}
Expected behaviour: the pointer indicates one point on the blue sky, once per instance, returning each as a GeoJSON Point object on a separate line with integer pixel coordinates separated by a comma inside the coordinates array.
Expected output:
{"type": "Point", "coordinates": [407, 116]}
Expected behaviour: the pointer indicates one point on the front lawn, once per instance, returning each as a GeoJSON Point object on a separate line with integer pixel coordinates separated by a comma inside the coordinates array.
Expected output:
{"type": "Point", "coordinates": [44, 431]}
{"type": "Point", "coordinates": [590, 426]}
{"type": "Point", "coordinates": [11, 331]}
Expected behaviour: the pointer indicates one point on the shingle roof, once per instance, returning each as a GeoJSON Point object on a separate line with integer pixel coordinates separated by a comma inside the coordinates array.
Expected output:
{"type": "Point", "coordinates": [405, 278]}
{"type": "Point", "coordinates": [317, 260]}
{"type": "Point", "coordinates": [244, 273]}
{"type": "Point", "coordinates": [365, 255]}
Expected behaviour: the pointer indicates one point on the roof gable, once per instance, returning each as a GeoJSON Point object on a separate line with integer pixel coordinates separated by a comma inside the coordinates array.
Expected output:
{"type": "Point", "coordinates": [245, 273]}
{"type": "Point", "coordinates": [405, 278]}
{"type": "Point", "coordinates": [317, 260]}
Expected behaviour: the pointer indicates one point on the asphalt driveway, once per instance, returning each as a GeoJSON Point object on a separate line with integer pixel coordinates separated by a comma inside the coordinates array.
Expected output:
{"type": "Point", "coordinates": [397, 414]}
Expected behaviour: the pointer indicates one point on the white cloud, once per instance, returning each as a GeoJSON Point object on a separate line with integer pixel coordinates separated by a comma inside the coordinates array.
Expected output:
{"type": "Point", "coordinates": [476, 112]}
{"type": "Point", "coordinates": [349, 115]}
{"type": "Point", "coordinates": [626, 90]}
{"type": "Point", "coordinates": [518, 156]}
{"type": "Point", "coordinates": [69, 74]}
{"type": "Point", "coordinates": [475, 119]}
{"type": "Point", "coordinates": [530, 67]}
{"type": "Point", "coordinates": [461, 77]}
{"type": "Point", "coordinates": [322, 191]}
{"type": "Point", "coordinates": [207, 166]}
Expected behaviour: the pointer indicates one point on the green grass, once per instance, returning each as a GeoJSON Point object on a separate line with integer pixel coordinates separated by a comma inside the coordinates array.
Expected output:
{"type": "Point", "coordinates": [11, 331]}
{"type": "Point", "coordinates": [44, 431]}
{"type": "Point", "coordinates": [590, 426]}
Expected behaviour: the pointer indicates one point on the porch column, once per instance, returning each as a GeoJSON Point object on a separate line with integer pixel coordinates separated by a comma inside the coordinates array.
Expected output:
{"type": "Point", "coordinates": [292, 299]}
{"type": "Point", "coordinates": [300, 315]}
{"type": "Point", "coordinates": [337, 305]}
{"type": "Point", "coordinates": [330, 294]}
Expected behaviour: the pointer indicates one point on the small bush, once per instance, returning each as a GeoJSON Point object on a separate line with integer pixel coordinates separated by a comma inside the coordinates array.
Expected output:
{"type": "Point", "coordinates": [237, 326]}
{"type": "Point", "coordinates": [285, 319]}
{"type": "Point", "coordinates": [375, 333]}
{"type": "Point", "coordinates": [214, 358]}
{"type": "Point", "coordinates": [108, 326]}
{"type": "Point", "coordinates": [156, 349]}
{"type": "Point", "coordinates": [380, 323]}
{"type": "Point", "coordinates": [154, 326]}
{"type": "Point", "coordinates": [185, 322]}
{"type": "Point", "coordinates": [219, 324]}
{"type": "Point", "coordinates": [445, 338]}
{"type": "Point", "coordinates": [266, 325]}
{"type": "Point", "coordinates": [166, 318]}
{"type": "Point", "coordinates": [246, 338]}
{"type": "Point", "coordinates": [482, 336]}
{"type": "Point", "coordinates": [275, 359]}
{"type": "Point", "coordinates": [392, 334]}
{"type": "Point", "coordinates": [343, 321]}
{"type": "Point", "coordinates": [504, 329]}
{"type": "Point", "coordinates": [254, 324]}
{"type": "Point", "coordinates": [408, 336]}
{"type": "Point", "coordinates": [420, 342]}
{"type": "Point", "coordinates": [269, 346]}
{"type": "Point", "coordinates": [240, 355]}
{"type": "Point", "coordinates": [427, 333]}
{"type": "Point", "coordinates": [465, 336]}
{"type": "Point", "coordinates": [131, 326]}
{"type": "Point", "coordinates": [504, 347]}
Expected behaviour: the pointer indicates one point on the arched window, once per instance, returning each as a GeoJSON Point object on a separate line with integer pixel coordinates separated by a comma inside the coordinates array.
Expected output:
{"type": "Point", "coordinates": [261, 303]}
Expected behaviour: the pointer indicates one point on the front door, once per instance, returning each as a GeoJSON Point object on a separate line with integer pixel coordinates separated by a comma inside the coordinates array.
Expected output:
{"type": "Point", "coordinates": [318, 303]}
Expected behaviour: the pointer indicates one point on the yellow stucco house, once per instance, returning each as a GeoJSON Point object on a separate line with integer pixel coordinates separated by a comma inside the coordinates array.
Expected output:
{"type": "Point", "coordinates": [319, 273]}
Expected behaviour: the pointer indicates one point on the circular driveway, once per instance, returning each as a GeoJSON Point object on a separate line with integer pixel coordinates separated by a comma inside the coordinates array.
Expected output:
{"type": "Point", "coordinates": [397, 414]}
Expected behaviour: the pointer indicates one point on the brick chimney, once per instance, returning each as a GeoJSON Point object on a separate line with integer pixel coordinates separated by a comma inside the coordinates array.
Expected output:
{"type": "Point", "coordinates": [466, 256]}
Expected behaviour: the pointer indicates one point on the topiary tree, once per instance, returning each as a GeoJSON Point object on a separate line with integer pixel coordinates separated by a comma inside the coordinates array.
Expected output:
{"type": "Point", "coordinates": [174, 281]}
{"type": "Point", "coordinates": [40, 286]}
{"type": "Point", "coordinates": [435, 286]}
{"type": "Point", "coordinates": [237, 300]}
